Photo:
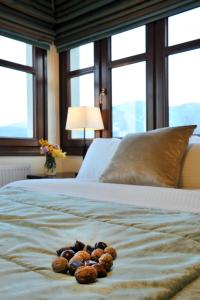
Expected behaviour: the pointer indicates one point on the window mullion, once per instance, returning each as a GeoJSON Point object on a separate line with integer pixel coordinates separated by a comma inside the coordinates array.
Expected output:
{"type": "Point", "coordinates": [150, 76]}
{"type": "Point", "coordinates": [16, 66]}
{"type": "Point", "coordinates": [161, 102]}
{"type": "Point", "coordinates": [64, 97]}
{"type": "Point", "coordinates": [187, 46]}
{"type": "Point", "coordinates": [105, 83]}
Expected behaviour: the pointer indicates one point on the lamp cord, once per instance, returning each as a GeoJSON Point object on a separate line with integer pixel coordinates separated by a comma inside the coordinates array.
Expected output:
{"type": "Point", "coordinates": [84, 141]}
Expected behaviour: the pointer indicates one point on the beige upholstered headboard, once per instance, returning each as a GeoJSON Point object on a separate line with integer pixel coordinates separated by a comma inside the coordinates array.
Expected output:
{"type": "Point", "coordinates": [190, 174]}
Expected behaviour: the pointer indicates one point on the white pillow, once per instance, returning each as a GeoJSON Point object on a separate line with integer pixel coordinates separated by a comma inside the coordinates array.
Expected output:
{"type": "Point", "coordinates": [190, 174]}
{"type": "Point", "coordinates": [194, 139]}
{"type": "Point", "coordinates": [97, 158]}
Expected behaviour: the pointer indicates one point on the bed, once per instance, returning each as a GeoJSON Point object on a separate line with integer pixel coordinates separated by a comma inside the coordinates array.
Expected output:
{"type": "Point", "coordinates": [155, 230]}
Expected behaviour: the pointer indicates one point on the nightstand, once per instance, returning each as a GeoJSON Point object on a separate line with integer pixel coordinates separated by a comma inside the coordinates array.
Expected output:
{"type": "Point", "coordinates": [58, 175]}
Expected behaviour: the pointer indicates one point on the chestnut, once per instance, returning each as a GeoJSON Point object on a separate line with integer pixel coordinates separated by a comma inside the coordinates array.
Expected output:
{"type": "Point", "coordinates": [100, 245]}
{"type": "Point", "coordinates": [68, 254]}
{"type": "Point", "coordinates": [96, 254]}
{"type": "Point", "coordinates": [86, 274]}
{"type": "Point", "coordinates": [101, 271]}
{"type": "Point", "coordinates": [78, 246]}
{"type": "Point", "coordinates": [85, 255]}
{"type": "Point", "coordinates": [90, 262]}
{"type": "Point", "coordinates": [88, 249]}
{"type": "Point", "coordinates": [73, 266]}
{"type": "Point", "coordinates": [59, 251]}
{"type": "Point", "coordinates": [107, 261]}
{"type": "Point", "coordinates": [60, 265]}
{"type": "Point", "coordinates": [111, 251]}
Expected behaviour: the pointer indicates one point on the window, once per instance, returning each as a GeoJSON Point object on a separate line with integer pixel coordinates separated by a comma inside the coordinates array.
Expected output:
{"type": "Point", "coordinates": [77, 67]}
{"type": "Point", "coordinates": [128, 43]}
{"type": "Point", "coordinates": [22, 53]}
{"type": "Point", "coordinates": [82, 86]}
{"type": "Point", "coordinates": [184, 27]}
{"type": "Point", "coordinates": [184, 92]}
{"type": "Point", "coordinates": [15, 122]}
{"type": "Point", "coordinates": [129, 93]}
{"type": "Point", "coordinates": [22, 97]}
{"type": "Point", "coordinates": [150, 76]}
{"type": "Point", "coordinates": [184, 69]}
{"type": "Point", "coordinates": [129, 99]}
{"type": "Point", "coordinates": [82, 94]}
{"type": "Point", "coordinates": [82, 57]}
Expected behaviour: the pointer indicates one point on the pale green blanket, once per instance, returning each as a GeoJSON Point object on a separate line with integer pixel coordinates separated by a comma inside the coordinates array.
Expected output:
{"type": "Point", "coordinates": [158, 251]}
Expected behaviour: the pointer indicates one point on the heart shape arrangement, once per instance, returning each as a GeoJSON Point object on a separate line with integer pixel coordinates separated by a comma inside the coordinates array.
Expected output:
{"type": "Point", "coordinates": [85, 262]}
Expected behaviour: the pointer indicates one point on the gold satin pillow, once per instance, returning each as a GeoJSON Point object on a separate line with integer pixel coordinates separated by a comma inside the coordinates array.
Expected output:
{"type": "Point", "coordinates": [151, 158]}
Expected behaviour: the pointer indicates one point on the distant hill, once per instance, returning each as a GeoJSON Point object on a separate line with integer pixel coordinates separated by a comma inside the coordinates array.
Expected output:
{"type": "Point", "coordinates": [131, 117]}
{"type": "Point", "coordinates": [14, 130]}
{"type": "Point", "coordinates": [186, 114]}
{"type": "Point", "coordinates": [127, 117]}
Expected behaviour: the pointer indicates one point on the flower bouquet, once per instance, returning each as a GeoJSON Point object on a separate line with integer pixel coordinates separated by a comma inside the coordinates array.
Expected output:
{"type": "Point", "coordinates": [51, 151]}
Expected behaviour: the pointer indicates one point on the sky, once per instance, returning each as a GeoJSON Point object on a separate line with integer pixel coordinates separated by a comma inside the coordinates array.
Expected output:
{"type": "Point", "coordinates": [13, 84]}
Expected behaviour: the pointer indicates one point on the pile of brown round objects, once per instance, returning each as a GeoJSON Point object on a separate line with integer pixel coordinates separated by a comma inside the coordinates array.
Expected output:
{"type": "Point", "coordinates": [85, 262]}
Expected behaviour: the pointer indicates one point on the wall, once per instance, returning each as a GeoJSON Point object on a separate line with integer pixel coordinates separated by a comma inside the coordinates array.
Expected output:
{"type": "Point", "coordinates": [71, 163]}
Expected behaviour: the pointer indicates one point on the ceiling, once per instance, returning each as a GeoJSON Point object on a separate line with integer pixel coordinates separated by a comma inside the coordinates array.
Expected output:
{"type": "Point", "coordinates": [67, 22]}
{"type": "Point", "coordinates": [50, 18]}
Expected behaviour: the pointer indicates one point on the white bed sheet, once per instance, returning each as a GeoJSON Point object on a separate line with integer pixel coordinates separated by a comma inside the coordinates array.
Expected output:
{"type": "Point", "coordinates": [142, 196]}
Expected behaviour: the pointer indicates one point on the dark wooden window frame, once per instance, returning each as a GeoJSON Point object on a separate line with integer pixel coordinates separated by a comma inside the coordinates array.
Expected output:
{"type": "Point", "coordinates": [162, 52]}
{"type": "Point", "coordinates": [121, 63]}
{"type": "Point", "coordinates": [156, 57]}
{"type": "Point", "coordinates": [30, 146]}
{"type": "Point", "coordinates": [75, 146]}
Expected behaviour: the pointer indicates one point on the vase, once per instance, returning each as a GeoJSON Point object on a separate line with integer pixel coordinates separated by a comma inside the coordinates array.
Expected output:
{"type": "Point", "coordinates": [50, 166]}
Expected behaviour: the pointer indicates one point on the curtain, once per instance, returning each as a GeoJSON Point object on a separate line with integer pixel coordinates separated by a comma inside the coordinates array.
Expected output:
{"type": "Point", "coordinates": [28, 21]}
{"type": "Point", "coordinates": [81, 23]}
{"type": "Point", "coordinates": [74, 22]}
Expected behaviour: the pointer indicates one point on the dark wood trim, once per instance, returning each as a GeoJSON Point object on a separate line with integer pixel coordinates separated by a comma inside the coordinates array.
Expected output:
{"type": "Point", "coordinates": [80, 72]}
{"type": "Point", "coordinates": [73, 146]}
{"type": "Point", "coordinates": [63, 99]}
{"type": "Point", "coordinates": [109, 90]}
{"type": "Point", "coordinates": [150, 77]}
{"type": "Point", "coordinates": [97, 73]}
{"type": "Point", "coordinates": [18, 142]}
{"type": "Point", "coordinates": [127, 60]}
{"type": "Point", "coordinates": [16, 66]}
{"type": "Point", "coordinates": [105, 83]}
{"type": "Point", "coordinates": [41, 94]}
{"type": "Point", "coordinates": [20, 151]}
{"type": "Point", "coordinates": [30, 146]}
{"type": "Point", "coordinates": [68, 93]}
{"type": "Point", "coordinates": [166, 75]}
{"type": "Point", "coordinates": [45, 92]}
{"type": "Point", "coordinates": [156, 57]}
{"type": "Point", "coordinates": [187, 46]}
{"type": "Point", "coordinates": [160, 73]}
{"type": "Point", "coordinates": [34, 96]}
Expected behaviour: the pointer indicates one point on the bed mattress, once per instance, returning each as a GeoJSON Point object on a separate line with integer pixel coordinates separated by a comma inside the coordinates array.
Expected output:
{"type": "Point", "coordinates": [145, 196]}
{"type": "Point", "coordinates": [158, 247]}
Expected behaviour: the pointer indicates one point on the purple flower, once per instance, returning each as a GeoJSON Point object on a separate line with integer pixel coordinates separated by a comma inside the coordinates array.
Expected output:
{"type": "Point", "coordinates": [56, 146]}
{"type": "Point", "coordinates": [44, 150]}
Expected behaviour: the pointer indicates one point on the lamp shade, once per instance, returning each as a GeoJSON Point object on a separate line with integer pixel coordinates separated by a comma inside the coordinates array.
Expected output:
{"type": "Point", "coordinates": [81, 117]}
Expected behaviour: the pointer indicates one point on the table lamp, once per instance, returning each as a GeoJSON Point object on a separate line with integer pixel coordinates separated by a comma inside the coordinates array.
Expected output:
{"type": "Point", "coordinates": [83, 118]}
